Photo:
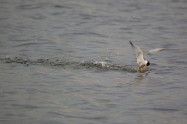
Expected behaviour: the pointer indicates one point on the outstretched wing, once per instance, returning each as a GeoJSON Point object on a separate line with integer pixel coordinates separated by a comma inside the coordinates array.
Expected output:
{"type": "Point", "coordinates": [139, 53]}
{"type": "Point", "coordinates": [154, 51]}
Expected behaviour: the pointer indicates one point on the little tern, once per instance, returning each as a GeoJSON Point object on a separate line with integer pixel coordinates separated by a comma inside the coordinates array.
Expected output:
{"type": "Point", "coordinates": [141, 61]}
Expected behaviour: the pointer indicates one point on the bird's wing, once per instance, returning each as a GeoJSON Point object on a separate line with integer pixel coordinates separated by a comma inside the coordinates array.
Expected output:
{"type": "Point", "coordinates": [139, 53]}
{"type": "Point", "coordinates": [154, 51]}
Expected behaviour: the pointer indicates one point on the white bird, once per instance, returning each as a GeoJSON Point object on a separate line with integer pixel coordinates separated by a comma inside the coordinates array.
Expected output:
{"type": "Point", "coordinates": [142, 62]}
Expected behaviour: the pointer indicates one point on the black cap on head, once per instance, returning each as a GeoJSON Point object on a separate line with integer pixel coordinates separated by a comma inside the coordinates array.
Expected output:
{"type": "Point", "coordinates": [148, 63]}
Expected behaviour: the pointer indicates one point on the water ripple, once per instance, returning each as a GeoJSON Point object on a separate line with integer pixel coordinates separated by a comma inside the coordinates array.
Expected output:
{"type": "Point", "coordinates": [76, 116]}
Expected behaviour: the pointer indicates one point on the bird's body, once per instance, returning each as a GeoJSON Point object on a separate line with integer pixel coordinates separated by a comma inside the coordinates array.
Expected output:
{"type": "Point", "coordinates": [142, 68]}
{"type": "Point", "coordinates": [141, 61]}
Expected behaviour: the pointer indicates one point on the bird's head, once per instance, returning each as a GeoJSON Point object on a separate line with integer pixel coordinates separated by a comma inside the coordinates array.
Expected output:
{"type": "Point", "coordinates": [148, 63]}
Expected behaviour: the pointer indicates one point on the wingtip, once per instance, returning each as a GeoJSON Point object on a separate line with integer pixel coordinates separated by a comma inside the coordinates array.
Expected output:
{"type": "Point", "coordinates": [130, 42]}
{"type": "Point", "coordinates": [161, 49]}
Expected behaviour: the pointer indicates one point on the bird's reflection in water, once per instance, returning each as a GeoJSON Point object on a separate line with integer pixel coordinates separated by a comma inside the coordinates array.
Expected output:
{"type": "Point", "coordinates": [141, 77]}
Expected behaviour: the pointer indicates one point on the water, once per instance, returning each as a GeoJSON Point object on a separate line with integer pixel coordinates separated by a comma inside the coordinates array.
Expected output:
{"type": "Point", "coordinates": [70, 62]}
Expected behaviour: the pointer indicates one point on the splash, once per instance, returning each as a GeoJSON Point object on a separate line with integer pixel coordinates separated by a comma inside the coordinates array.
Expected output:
{"type": "Point", "coordinates": [89, 64]}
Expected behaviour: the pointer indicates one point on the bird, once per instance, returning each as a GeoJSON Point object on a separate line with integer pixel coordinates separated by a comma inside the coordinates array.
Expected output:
{"type": "Point", "coordinates": [141, 61]}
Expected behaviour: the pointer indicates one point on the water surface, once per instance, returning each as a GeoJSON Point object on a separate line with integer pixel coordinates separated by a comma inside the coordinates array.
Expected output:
{"type": "Point", "coordinates": [70, 61]}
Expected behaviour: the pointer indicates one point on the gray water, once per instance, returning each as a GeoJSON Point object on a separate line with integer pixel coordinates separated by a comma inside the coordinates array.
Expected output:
{"type": "Point", "coordinates": [70, 62]}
